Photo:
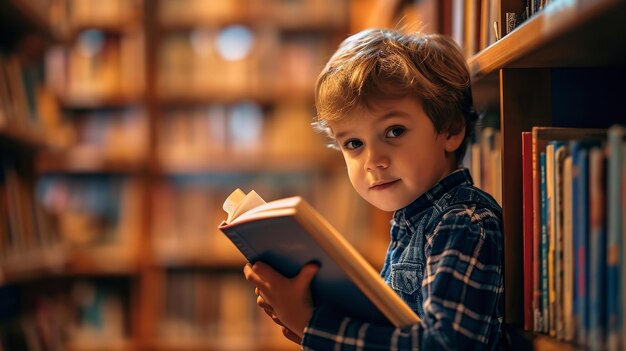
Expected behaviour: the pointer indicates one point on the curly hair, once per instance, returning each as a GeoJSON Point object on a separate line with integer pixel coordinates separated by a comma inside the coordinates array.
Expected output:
{"type": "Point", "coordinates": [381, 64]}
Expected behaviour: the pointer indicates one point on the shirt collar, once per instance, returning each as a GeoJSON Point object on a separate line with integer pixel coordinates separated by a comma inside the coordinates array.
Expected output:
{"type": "Point", "coordinates": [458, 177]}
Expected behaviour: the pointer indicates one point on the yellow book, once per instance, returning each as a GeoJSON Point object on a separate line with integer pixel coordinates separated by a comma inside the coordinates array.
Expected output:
{"type": "Point", "coordinates": [289, 233]}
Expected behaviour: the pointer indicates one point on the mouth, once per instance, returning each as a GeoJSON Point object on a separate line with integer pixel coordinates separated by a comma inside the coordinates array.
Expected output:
{"type": "Point", "coordinates": [382, 185]}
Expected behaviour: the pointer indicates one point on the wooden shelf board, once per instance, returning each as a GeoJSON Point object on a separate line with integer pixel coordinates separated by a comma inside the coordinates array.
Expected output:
{"type": "Point", "coordinates": [180, 344]}
{"type": "Point", "coordinates": [33, 264]}
{"type": "Point", "coordinates": [546, 343]}
{"type": "Point", "coordinates": [117, 100]}
{"type": "Point", "coordinates": [63, 162]}
{"type": "Point", "coordinates": [102, 345]}
{"type": "Point", "coordinates": [60, 261]}
{"type": "Point", "coordinates": [13, 136]}
{"type": "Point", "coordinates": [253, 163]}
{"type": "Point", "coordinates": [567, 36]}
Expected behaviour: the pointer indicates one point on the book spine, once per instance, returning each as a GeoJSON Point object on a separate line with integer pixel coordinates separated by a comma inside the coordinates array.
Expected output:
{"type": "Point", "coordinates": [536, 209]}
{"type": "Point", "coordinates": [581, 245]}
{"type": "Point", "coordinates": [597, 249]}
{"type": "Point", "coordinates": [614, 245]}
{"type": "Point", "coordinates": [527, 204]}
{"type": "Point", "coordinates": [544, 245]}
{"type": "Point", "coordinates": [550, 230]}
{"type": "Point", "coordinates": [568, 254]}
{"type": "Point", "coordinates": [559, 159]}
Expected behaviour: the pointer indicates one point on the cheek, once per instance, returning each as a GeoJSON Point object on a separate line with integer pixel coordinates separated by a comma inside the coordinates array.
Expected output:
{"type": "Point", "coordinates": [354, 173]}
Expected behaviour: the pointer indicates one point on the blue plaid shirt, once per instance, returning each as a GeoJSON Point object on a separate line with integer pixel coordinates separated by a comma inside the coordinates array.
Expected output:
{"type": "Point", "coordinates": [445, 261]}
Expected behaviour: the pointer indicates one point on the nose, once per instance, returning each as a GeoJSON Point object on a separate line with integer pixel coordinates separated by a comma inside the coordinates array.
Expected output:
{"type": "Point", "coordinates": [376, 159]}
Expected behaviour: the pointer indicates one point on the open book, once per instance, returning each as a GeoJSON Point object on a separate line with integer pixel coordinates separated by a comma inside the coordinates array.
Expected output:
{"type": "Point", "coordinates": [288, 233]}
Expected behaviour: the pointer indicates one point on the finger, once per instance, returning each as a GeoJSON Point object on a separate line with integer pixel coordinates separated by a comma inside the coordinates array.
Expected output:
{"type": "Point", "coordinates": [306, 275]}
{"type": "Point", "coordinates": [266, 272]}
{"type": "Point", "coordinates": [253, 277]}
{"type": "Point", "coordinates": [261, 302]}
{"type": "Point", "coordinates": [291, 335]}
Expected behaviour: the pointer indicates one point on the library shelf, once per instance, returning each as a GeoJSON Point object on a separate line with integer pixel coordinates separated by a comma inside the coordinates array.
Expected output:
{"type": "Point", "coordinates": [63, 261]}
{"type": "Point", "coordinates": [99, 101]}
{"type": "Point", "coordinates": [565, 34]}
{"type": "Point", "coordinates": [254, 162]}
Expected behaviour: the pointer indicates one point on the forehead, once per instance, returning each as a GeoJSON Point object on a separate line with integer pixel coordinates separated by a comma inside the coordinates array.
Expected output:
{"type": "Point", "coordinates": [380, 111]}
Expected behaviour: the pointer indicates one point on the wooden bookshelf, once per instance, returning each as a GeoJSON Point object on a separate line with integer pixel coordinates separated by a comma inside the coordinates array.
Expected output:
{"type": "Point", "coordinates": [578, 34]}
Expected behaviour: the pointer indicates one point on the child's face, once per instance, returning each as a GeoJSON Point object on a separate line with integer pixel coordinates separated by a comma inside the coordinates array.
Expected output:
{"type": "Point", "coordinates": [393, 152]}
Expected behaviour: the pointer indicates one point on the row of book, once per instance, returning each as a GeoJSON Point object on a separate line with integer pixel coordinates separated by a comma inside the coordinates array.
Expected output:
{"type": "Point", "coordinates": [199, 135]}
{"type": "Point", "coordinates": [98, 66]}
{"type": "Point", "coordinates": [574, 186]}
{"type": "Point", "coordinates": [239, 61]}
{"type": "Point", "coordinates": [217, 309]}
{"type": "Point", "coordinates": [483, 158]}
{"type": "Point", "coordinates": [57, 316]}
{"type": "Point", "coordinates": [92, 210]}
{"type": "Point", "coordinates": [477, 24]}
{"type": "Point", "coordinates": [24, 224]}
{"type": "Point", "coordinates": [19, 86]}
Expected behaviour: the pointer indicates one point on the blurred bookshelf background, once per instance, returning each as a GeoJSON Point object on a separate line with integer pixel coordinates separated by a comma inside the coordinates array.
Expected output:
{"type": "Point", "coordinates": [124, 125]}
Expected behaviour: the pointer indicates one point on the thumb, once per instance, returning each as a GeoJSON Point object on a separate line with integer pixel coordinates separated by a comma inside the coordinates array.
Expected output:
{"type": "Point", "coordinates": [306, 275]}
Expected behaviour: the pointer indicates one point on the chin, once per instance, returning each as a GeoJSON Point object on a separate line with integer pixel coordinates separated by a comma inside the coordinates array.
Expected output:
{"type": "Point", "coordinates": [384, 206]}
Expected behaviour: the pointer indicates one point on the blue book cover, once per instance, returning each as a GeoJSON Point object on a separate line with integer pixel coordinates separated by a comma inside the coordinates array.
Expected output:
{"type": "Point", "coordinates": [597, 249]}
{"type": "Point", "coordinates": [615, 286]}
{"type": "Point", "coordinates": [544, 243]}
{"type": "Point", "coordinates": [580, 198]}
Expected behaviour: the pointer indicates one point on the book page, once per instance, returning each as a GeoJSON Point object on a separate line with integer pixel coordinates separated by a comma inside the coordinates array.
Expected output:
{"type": "Point", "coordinates": [238, 202]}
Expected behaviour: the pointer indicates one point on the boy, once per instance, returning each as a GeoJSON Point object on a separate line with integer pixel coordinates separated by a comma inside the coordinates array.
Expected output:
{"type": "Point", "coordinates": [399, 108]}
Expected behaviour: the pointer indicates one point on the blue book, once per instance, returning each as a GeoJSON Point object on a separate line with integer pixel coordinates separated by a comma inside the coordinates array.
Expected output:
{"type": "Point", "coordinates": [614, 255]}
{"type": "Point", "coordinates": [597, 249]}
{"type": "Point", "coordinates": [580, 199]}
{"type": "Point", "coordinates": [544, 243]}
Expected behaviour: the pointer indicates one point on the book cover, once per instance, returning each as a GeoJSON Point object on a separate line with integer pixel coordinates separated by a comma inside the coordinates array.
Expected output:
{"type": "Point", "coordinates": [289, 233]}
{"type": "Point", "coordinates": [527, 223]}
{"type": "Point", "coordinates": [550, 235]}
{"type": "Point", "coordinates": [545, 303]}
{"type": "Point", "coordinates": [559, 159]}
{"type": "Point", "coordinates": [615, 224]}
{"type": "Point", "coordinates": [597, 249]}
{"type": "Point", "coordinates": [568, 254]}
{"type": "Point", "coordinates": [580, 200]}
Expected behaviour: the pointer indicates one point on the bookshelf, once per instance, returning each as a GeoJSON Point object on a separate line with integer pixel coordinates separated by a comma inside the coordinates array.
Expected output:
{"type": "Point", "coordinates": [129, 164]}
{"type": "Point", "coordinates": [561, 67]}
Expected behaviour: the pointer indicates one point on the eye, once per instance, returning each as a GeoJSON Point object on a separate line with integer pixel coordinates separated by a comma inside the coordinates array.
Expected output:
{"type": "Point", "coordinates": [352, 144]}
{"type": "Point", "coordinates": [394, 132]}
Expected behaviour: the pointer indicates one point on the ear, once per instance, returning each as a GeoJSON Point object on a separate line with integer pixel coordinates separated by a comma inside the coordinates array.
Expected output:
{"type": "Point", "coordinates": [454, 141]}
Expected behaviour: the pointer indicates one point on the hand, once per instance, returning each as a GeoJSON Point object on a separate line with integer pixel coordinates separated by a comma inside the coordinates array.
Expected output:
{"type": "Point", "coordinates": [286, 301]}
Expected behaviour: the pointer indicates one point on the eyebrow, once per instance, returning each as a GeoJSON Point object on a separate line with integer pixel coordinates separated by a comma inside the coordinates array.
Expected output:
{"type": "Point", "coordinates": [388, 115]}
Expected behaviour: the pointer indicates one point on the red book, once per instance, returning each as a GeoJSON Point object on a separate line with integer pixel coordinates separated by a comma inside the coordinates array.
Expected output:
{"type": "Point", "coordinates": [527, 217]}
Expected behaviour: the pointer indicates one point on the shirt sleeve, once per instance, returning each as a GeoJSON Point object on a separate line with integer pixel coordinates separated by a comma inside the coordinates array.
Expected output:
{"type": "Point", "coordinates": [462, 294]}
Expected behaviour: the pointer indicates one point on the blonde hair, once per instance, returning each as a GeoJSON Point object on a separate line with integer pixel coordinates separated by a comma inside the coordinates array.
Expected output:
{"type": "Point", "coordinates": [381, 64]}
